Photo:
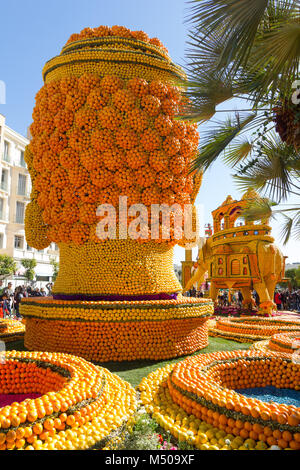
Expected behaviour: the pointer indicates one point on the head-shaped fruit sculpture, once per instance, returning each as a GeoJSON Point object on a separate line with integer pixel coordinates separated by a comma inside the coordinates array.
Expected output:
{"type": "Point", "coordinates": [104, 126]}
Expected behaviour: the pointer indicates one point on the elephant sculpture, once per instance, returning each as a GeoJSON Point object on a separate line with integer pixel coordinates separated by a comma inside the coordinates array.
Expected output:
{"type": "Point", "coordinates": [258, 264]}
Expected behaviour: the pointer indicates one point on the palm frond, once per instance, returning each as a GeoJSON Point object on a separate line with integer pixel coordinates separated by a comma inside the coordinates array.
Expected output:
{"type": "Point", "coordinates": [286, 230]}
{"type": "Point", "coordinates": [237, 21]}
{"type": "Point", "coordinates": [278, 54]}
{"type": "Point", "coordinates": [204, 92]}
{"type": "Point", "coordinates": [219, 137]}
{"type": "Point", "coordinates": [258, 209]}
{"type": "Point", "coordinates": [238, 151]}
{"type": "Point", "coordinates": [271, 174]}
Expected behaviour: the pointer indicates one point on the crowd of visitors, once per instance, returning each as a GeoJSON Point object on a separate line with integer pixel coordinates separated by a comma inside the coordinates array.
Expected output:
{"type": "Point", "coordinates": [285, 299]}
{"type": "Point", "coordinates": [10, 298]}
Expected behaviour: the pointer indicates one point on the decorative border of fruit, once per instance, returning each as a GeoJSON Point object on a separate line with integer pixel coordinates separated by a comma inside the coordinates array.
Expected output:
{"type": "Point", "coordinates": [281, 342]}
{"type": "Point", "coordinates": [249, 329]}
{"type": "Point", "coordinates": [11, 330]}
{"type": "Point", "coordinates": [196, 395]}
{"type": "Point", "coordinates": [80, 404]}
{"type": "Point", "coordinates": [118, 311]}
{"type": "Point", "coordinates": [158, 329]}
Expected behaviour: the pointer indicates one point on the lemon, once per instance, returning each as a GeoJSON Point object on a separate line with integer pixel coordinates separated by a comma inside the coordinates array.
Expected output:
{"type": "Point", "coordinates": [214, 448]}
{"type": "Point", "coordinates": [201, 438]}
{"type": "Point", "coordinates": [210, 434]}
{"type": "Point", "coordinates": [204, 447]}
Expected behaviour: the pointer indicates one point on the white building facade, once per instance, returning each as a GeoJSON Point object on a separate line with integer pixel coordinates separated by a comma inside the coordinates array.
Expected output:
{"type": "Point", "coordinates": [15, 188]}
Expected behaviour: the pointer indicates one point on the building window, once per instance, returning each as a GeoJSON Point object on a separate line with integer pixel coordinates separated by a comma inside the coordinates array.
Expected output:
{"type": "Point", "coordinates": [1, 240]}
{"type": "Point", "coordinates": [20, 212]}
{"type": "Point", "coordinates": [6, 151]}
{"type": "Point", "coordinates": [1, 208]}
{"type": "Point", "coordinates": [22, 159]}
{"type": "Point", "coordinates": [18, 242]}
{"type": "Point", "coordinates": [29, 248]}
{"type": "Point", "coordinates": [4, 180]}
{"type": "Point", "coordinates": [22, 185]}
{"type": "Point", "coordinates": [235, 267]}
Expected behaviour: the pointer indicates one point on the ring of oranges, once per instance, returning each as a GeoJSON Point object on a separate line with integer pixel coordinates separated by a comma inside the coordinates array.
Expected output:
{"type": "Point", "coordinates": [11, 330]}
{"type": "Point", "coordinates": [201, 390]}
{"type": "Point", "coordinates": [78, 407]}
{"type": "Point", "coordinates": [282, 342]}
{"type": "Point", "coordinates": [251, 329]}
{"type": "Point", "coordinates": [157, 329]}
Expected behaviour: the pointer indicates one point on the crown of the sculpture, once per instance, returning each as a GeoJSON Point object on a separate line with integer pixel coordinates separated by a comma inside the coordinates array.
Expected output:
{"type": "Point", "coordinates": [226, 215]}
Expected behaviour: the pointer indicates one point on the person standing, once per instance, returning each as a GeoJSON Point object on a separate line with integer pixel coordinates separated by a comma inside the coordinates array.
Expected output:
{"type": "Point", "coordinates": [6, 308]}
{"type": "Point", "coordinates": [278, 300]}
{"type": "Point", "coordinates": [18, 298]}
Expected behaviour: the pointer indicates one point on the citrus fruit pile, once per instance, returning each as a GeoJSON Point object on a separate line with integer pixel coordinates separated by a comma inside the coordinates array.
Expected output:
{"type": "Point", "coordinates": [79, 405]}
{"type": "Point", "coordinates": [288, 343]}
{"type": "Point", "coordinates": [11, 330]}
{"type": "Point", "coordinates": [251, 329]}
{"type": "Point", "coordinates": [145, 329]}
{"type": "Point", "coordinates": [196, 400]}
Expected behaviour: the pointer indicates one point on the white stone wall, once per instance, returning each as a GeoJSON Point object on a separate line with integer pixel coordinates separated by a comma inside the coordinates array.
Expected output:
{"type": "Point", "coordinates": [10, 227]}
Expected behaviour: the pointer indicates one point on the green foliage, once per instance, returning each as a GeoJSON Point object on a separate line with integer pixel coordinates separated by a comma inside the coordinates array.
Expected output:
{"type": "Point", "coordinates": [247, 51]}
{"type": "Point", "coordinates": [294, 275]}
{"type": "Point", "coordinates": [8, 266]}
{"type": "Point", "coordinates": [143, 436]}
{"type": "Point", "coordinates": [55, 265]}
{"type": "Point", "coordinates": [29, 264]}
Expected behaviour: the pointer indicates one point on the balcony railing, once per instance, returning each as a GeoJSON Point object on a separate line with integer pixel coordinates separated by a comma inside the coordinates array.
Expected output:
{"type": "Point", "coordinates": [6, 157]}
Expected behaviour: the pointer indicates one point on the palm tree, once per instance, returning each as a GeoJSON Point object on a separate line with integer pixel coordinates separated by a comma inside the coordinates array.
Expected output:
{"type": "Point", "coordinates": [246, 52]}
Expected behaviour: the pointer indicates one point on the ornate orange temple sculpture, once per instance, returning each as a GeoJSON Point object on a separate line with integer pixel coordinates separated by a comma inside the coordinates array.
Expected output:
{"type": "Point", "coordinates": [105, 126]}
{"type": "Point", "coordinates": [241, 256]}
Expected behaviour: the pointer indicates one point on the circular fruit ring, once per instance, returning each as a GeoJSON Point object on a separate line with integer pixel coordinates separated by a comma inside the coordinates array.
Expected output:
{"type": "Point", "coordinates": [153, 329]}
{"type": "Point", "coordinates": [249, 329]}
{"type": "Point", "coordinates": [203, 389]}
{"type": "Point", "coordinates": [11, 330]}
{"type": "Point", "coordinates": [288, 343]}
{"type": "Point", "coordinates": [64, 402]}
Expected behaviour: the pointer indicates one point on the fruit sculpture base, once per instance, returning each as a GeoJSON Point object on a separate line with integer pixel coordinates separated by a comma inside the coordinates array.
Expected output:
{"type": "Point", "coordinates": [103, 331]}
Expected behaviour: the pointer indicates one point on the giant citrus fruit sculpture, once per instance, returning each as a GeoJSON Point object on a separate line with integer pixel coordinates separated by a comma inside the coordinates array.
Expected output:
{"type": "Point", "coordinates": [103, 127]}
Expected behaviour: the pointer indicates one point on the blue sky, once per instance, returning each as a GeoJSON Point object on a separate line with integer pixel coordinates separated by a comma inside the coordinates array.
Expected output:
{"type": "Point", "coordinates": [32, 32]}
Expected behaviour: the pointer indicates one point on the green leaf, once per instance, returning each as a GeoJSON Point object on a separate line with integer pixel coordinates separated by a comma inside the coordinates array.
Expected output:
{"type": "Point", "coordinates": [238, 151]}
{"type": "Point", "coordinates": [238, 21]}
{"type": "Point", "coordinates": [218, 138]}
{"type": "Point", "coordinates": [274, 170]}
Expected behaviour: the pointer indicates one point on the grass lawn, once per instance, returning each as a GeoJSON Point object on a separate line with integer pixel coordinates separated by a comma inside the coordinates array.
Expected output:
{"type": "Point", "coordinates": [134, 371]}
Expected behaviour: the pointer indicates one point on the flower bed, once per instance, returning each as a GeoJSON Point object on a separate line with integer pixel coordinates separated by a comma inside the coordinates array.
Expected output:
{"type": "Point", "coordinates": [281, 342]}
{"type": "Point", "coordinates": [79, 406]}
{"type": "Point", "coordinates": [11, 330]}
{"type": "Point", "coordinates": [198, 393]}
{"type": "Point", "coordinates": [251, 329]}
{"type": "Point", "coordinates": [145, 329]}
